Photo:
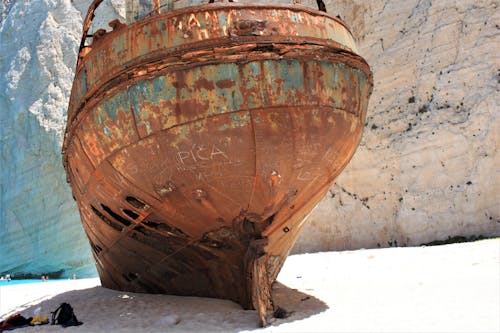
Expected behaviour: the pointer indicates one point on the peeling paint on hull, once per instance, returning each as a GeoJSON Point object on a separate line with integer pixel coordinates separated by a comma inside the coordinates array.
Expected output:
{"type": "Point", "coordinates": [199, 140]}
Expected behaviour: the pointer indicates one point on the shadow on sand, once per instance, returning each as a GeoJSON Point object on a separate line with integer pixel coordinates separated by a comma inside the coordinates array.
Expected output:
{"type": "Point", "coordinates": [102, 309]}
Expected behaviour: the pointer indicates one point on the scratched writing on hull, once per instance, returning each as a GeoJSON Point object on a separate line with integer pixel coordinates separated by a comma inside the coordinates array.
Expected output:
{"type": "Point", "coordinates": [199, 153]}
{"type": "Point", "coordinates": [207, 168]}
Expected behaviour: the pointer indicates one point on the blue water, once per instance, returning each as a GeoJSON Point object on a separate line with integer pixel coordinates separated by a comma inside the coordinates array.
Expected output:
{"type": "Point", "coordinates": [23, 281]}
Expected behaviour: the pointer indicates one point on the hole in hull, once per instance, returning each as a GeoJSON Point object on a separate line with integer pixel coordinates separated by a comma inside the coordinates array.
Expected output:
{"type": "Point", "coordinates": [136, 203]}
{"type": "Point", "coordinates": [109, 222]}
{"type": "Point", "coordinates": [117, 217]}
{"type": "Point", "coordinates": [130, 214]}
{"type": "Point", "coordinates": [157, 223]}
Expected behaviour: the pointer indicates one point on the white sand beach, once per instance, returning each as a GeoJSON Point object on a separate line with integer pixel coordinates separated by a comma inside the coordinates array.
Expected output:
{"type": "Point", "coordinates": [448, 288]}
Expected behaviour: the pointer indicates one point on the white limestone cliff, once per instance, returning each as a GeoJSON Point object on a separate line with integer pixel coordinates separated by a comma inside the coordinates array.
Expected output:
{"type": "Point", "coordinates": [40, 230]}
{"type": "Point", "coordinates": [427, 167]}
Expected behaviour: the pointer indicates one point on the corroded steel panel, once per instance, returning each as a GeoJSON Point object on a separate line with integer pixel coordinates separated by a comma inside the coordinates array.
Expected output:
{"type": "Point", "coordinates": [80, 166]}
{"type": "Point", "coordinates": [202, 28]}
{"type": "Point", "coordinates": [199, 140]}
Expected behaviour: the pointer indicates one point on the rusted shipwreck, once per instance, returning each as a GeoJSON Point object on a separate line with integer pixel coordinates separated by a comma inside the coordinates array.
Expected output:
{"type": "Point", "coordinates": [199, 139]}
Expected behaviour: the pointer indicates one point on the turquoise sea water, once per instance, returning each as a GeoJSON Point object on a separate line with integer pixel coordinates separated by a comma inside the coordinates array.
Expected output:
{"type": "Point", "coordinates": [23, 281]}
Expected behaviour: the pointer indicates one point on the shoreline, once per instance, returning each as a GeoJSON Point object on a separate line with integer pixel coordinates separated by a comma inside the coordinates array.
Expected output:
{"type": "Point", "coordinates": [445, 288]}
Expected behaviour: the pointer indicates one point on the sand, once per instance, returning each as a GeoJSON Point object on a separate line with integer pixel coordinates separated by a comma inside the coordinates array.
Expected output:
{"type": "Point", "coordinates": [449, 288]}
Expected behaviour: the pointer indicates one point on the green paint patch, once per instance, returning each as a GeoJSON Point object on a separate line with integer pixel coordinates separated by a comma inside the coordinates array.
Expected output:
{"type": "Point", "coordinates": [255, 67]}
{"type": "Point", "coordinates": [99, 116]}
{"type": "Point", "coordinates": [221, 16]}
{"type": "Point", "coordinates": [110, 106]}
{"type": "Point", "coordinates": [139, 93]}
{"type": "Point", "coordinates": [158, 85]}
{"type": "Point", "coordinates": [293, 75]}
{"type": "Point", "coordinates": [295, 18]}
{"type": "Point", "coordinates": [239, 120]}
{"type": "Point", "coordinates": [83, 82]}
{"type": "Point", "coordinates": [223, 127]}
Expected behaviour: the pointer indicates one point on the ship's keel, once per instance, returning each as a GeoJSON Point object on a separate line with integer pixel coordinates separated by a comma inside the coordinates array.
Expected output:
{"type": "Point", "coordinates": [229, 263]}
{"type": "Point", "coordinates": [261, 290]}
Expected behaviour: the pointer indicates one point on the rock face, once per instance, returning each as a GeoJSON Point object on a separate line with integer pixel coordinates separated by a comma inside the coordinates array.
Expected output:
{"type": "Point", "coordinates": [427, 167]}
{"type": "Point", "coordinates": [40, 227]}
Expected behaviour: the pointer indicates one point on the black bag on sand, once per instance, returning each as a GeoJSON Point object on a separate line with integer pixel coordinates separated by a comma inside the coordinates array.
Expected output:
{"type": "Point", "coordinates": [65, 316]}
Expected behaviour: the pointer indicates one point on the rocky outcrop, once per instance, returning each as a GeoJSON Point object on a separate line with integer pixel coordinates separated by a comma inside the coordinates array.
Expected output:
{"type": "Point", "coordinates": [39, 223]}
{"type": "Point", "coordinates": [427, 167]}
{"type": "Point", "coordinates": [428, 164]}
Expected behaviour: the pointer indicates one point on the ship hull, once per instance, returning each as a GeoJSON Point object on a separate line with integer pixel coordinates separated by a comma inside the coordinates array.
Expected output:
{"type": "Point", "coordinates": [198, 141]}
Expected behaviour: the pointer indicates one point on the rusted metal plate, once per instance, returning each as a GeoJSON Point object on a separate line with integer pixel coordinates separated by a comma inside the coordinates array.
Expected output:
{"type": "Point", "coordinates": [199, 140]}
{"type": "Point", "coordinates": [80, 166]}
{"type": "Point", "coordinates": [201, 32]}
